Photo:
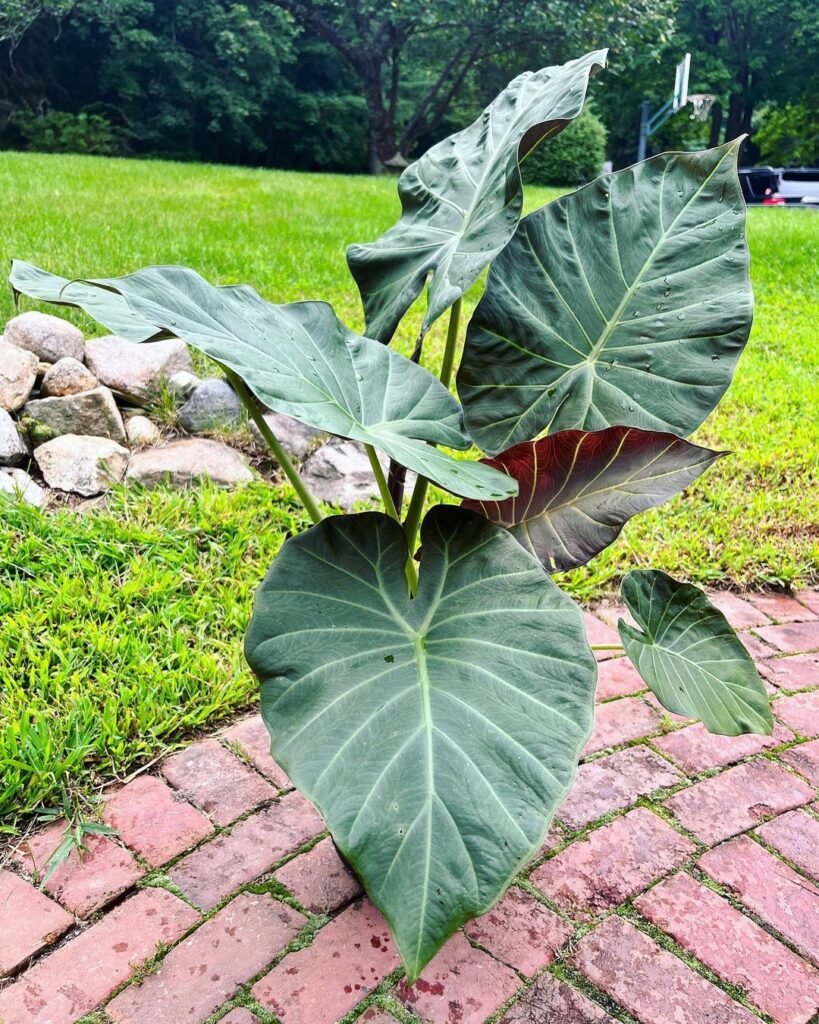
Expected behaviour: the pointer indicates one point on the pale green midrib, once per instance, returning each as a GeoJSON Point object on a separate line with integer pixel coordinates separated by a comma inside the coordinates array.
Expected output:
{"type": "Point", "coordinates": [426, 719]}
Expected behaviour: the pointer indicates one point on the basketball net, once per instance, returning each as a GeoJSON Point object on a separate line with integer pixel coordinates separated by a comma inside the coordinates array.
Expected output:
{"type": "Point", "coordinates": [702, 103]}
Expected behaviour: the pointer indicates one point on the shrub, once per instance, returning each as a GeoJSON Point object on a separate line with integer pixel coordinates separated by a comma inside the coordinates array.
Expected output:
{"type": "Point", "coordinates": [788, 135]}
{"type": "Point", "coordinates": [572, 158]}
{"type": "Point", "coordinates": [61, 132]}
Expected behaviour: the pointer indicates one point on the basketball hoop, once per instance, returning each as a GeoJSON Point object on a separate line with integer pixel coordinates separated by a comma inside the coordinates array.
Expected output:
{"type": "Point", "coordinates": [702, 103]}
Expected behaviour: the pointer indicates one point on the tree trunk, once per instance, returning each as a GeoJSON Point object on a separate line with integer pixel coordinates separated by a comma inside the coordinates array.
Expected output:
{"type": "Point", "coordinates": [716, 124]}
{"type": "Point", "coordinates": [733, 126]}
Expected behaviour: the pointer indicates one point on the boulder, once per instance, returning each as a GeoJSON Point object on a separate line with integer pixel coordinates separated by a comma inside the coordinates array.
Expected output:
{"type": "Point", "coordinates": [82, 465]}
{"type": "Point", "coordinates": [48, 337]}
{"type": "Point", "coordinates": [295, 437]}
{"type": "Point", "coordinates": [340, 473]}
{"type": "Point", "coordinates": [142, 431]}
{"type": "Point", "coordinates": [181, 385]}
{"type": "Point", "coordinates": [67, 377]}
{"type": "Point", "coordinates": [185, 463]}
{"type": "Point", "coordinates": [93, 413]}
{"type": "Point", "coordinates": [213, 405]}
{"type": "Point", "coordinates": [13, 448]}
{"type": "Point", "coordinates": [134, 370]}
{"type": "Point", "coordinates": [18, 372]}
{"type": "Point", "coordinates": [18, 484]}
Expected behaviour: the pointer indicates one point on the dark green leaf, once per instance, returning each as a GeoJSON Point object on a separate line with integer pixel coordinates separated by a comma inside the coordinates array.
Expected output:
{"type": "Point", "coordinates": [436, 735]}
{"type": "Point", "coordinates": [462, 200]}
{"type": "Point", "coordinates": [689, 655]}
{"type": "Point", "coordinates": [578, 488]}
{"type": "Point", "coordinates": [298, 359]}
{"type": "Point", "coordinates": [626, 302]}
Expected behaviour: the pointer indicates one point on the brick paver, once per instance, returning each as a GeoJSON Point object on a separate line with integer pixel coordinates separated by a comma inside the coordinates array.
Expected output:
{"type": "Point", "coordinates": [29, 921]}
{"type": "Point", "coordinates": [650, 982]}
{"type": "Point", "coordinates": [738, 799]}
{"type": "Point", "coordinates": [217, 781]}
{"type": "Point", "coordinates": [784, 899]}
{"type": "Point", "coordinates": [152, 820]}
{"type": "Point", "coordinates": [617, 893]}
{"type": "Point", "coordinates": [205, 970]}
{"type": "Point", "coordinates": [775, 979]}
{"type": "Point", "coordinates": [599, 632]}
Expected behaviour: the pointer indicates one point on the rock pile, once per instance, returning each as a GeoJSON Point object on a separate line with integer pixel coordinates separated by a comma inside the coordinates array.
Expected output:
{"type": "Point", "coordinates": [77, 413]}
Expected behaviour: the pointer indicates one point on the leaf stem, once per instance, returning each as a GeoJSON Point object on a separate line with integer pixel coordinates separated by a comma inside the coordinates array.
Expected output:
{"type": "Point", "coordinates": [279, 454]}
{"type": "Point", "coordinates": [381, 480]}
{"type": "Point", "coordinates": [451, 342]}
{"type": "Point", "coordinates": [607, 647]}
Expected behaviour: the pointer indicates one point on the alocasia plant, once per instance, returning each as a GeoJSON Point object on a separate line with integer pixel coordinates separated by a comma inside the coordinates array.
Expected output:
{"type": "Point", "coordinates": [432, 695]}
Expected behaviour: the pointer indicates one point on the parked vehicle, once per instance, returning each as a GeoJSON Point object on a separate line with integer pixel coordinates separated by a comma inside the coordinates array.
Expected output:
{"type": "Point", "coordinates": [772, 186]}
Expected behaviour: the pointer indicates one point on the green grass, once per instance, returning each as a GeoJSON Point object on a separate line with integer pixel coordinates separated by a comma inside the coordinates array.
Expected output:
{"type": "Point", "coordinates": [120, 628]}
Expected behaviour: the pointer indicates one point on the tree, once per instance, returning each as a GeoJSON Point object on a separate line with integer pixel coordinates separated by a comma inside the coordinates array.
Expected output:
{"type": "Point", "coordinates": [412, 59]}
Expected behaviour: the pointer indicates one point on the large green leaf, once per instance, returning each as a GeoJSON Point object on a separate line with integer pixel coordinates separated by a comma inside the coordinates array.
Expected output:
{"type": "Point", "coordinates": [689, 655]}
{"type": "Point", "coordinates": [462, 200]}
{"type": "Point", "coordinates": [298, 359]}
{"type": "Point", "coordinates": [436, 735]}
{"type": "Point", "coordinates": [578, 488]}
{"type": "Point", "coordinates": [626, 302]}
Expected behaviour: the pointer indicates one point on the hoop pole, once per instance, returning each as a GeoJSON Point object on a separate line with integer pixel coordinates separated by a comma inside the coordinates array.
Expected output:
{"type": "Point", "coordinates": [645, 111]}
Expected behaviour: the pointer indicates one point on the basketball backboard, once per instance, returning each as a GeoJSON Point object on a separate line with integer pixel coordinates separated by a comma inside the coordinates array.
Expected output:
{"type": "Point", "coordinates": [681, 83]}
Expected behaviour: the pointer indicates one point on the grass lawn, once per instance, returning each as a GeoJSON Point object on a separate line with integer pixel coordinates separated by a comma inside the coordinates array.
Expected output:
{"type": "Point", "coordinates": [120, 629]}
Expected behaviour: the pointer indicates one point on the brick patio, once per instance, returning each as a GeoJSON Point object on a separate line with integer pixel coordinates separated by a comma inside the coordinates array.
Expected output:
{"type": "Point", "coordinates": [677, 885]}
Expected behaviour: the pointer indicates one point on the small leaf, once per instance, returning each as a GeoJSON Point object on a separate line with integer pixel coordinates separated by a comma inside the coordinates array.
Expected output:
{"type": "Point", "coordinates": [627, 301]}
{"type": "Point", "coordinates": [462, 200]}
{"type": "Point", "coordinates": [436, 735]}
{"type": "Point", "coordinates": [298, 359]}
{"type": "Point", "coordinates": [690, 656]}
{"type": "Point", "coordinates": [578, 488]}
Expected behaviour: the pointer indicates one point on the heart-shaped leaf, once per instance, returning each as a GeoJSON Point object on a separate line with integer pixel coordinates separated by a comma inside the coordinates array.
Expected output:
{"type": "Point", "coordinates": [578, 488]}
{"type": "Point", "coordinates": [688, 654]}
{"type": "Point", "coordinates": [298, 359]}
{"type": "Point", "coordinates": [625, 302]}
{"type": "Point", "coordinates": [436, 735]}
{"type": "Point", "coordinates": [462, 200]}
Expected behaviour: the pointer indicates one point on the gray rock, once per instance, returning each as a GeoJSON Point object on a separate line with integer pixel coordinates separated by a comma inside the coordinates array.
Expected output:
{"type": "Point", "coordinates": [142, 431]}
{"type": "Point", "coordinates": [93, 413]}
{"type": "Point", "coordinates": [185, 463]}
{"type": "Point", "coordinates": [340, 473]}
{"type": "Point", "coordinates": [295, 437]}
{"type": "Point", "coordinates": [181, 385]}
{"type": "Point", "coordinates": [48, 337]}
{"type": "Point", "coordinates": [20, 486]}
{"type": "Point", "coordinates": [213, 405]}
{"type": "Point", "coordinates": [136, 371]}
{"type": "Point", "coordinates": [82, 465]}
{"type": "Point", "coordinates": [13, 448]}
{"type": "Point", "coordinates": [18, 372]}
{"type": "Point", "coordinates": [67, 377]}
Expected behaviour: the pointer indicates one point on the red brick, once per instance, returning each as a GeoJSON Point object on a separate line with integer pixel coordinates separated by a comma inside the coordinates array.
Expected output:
{"type": "Point", "coordinates": [82, 883]}
{"type": "Point", "coordinates": [461, 984]}
{"type": "Point", "coordinates": [651, 698]}
{"type": "Point", "coordinates": [740, 614]}
{"type": "Point", "coordinates": [617, 678]}
{"type": "Point", "coordinates": [796, 672]}
{"type": "Point", "coordinates": [152, 820]}
{"type": "Point", "coordinates": [254, 740]}
{"type": "Point", "coordinates": [78, 976]}
{"type": "Point", "coordinates": [347, 960]}
{"type": "Point", "coordinates": [217, 781]}
{"type": "Point", "coordinates": [774, 979]}
{"type": "Point", "coordinates": [615, 782]}
{"type": "Point", "coordinates": [599, 632]}
{"type": "Point", "coordinates": [205, 970]}
{"type": "Point", "coordinates": [738, 799]}
{"type": "Point", "coordinates": [611, 612]}
{"type": "Point", "coordinates": [651, 983]}
{"type": "Point", "coordinates": [520, 931]}
{"type": "Point", "coordinates": [219, 867]}
{"type": "Point", "coordinates": [621, 721]}
{"type": "Point", "coordinates": [796, 836]}
{"type": "Point", "coordinates": [239, 1016]}
{"type": "Point", "coordinates": [781, 897]}
{"type": "Point", "coordinates": [319, 879]}
{"type": "Point", "coordinates": [550, 1001]}
{"type": "Point", "coordinates": [780, 607]}
{"type": "Point", "coordinates": [804, 759]}
{"type": "Point", "coordinates": [373, 1016]}
{"type": "Point", "coordinates": [800, 713]}
{"type": "Point", "coordinates": [793, 638]}
{"type": "Point", "coordinates": [612, 864]}
{"type": "Point", "coordinates": [756, 648]}
{"type": "Point", "coordinates": [697, 750]}
{"type": "Point", "coordinates": [29, 921]}
{"type": "Point", "coordinates": [810, 599]}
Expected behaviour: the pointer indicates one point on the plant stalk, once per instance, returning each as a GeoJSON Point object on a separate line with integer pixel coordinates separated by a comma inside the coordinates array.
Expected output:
{"type": "Point", "coordinates": [272, 442]}
{"type": "Point", "coordinates": [607, 647]}
{"type": "Point", "coordinates": [381, 480]}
